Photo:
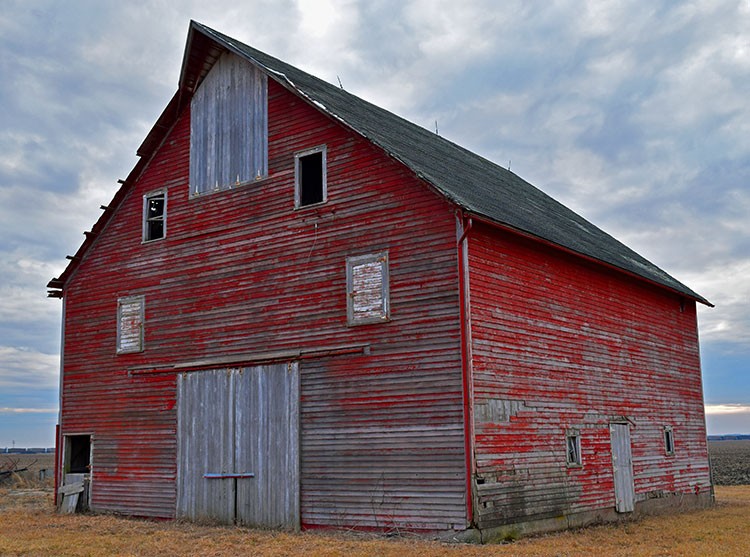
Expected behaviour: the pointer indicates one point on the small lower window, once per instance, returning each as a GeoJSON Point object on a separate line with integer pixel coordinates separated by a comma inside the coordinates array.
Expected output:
{"type": "Point", "coordinates": [668, 440]}
{"type": "Point", "coordinates": [154, 216]}
{"type": "Point", "coordinates": [310, 177]}
{"type": "Point", "coordinates": [573, 448]}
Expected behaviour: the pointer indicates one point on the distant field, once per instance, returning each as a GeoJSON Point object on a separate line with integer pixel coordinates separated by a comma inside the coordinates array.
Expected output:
{"type": "Point", "coordinates": [35, 463]}
{"type": "Point", "coordinates": [730, 462]}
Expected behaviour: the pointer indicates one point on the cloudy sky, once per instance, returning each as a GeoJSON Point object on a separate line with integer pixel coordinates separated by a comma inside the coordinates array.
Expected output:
{"type": "Point", "coordinates": [635, 114]}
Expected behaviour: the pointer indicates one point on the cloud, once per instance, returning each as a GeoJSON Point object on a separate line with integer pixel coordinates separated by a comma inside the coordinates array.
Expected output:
{"type": "Point", "coordinates": [28, 410]}
{"type": "Point", "coordinates": [718, 409]}
{"type": "Point", "coordinates": [25, 369]}
{"type": "Point", "coordinates": [633, 115]}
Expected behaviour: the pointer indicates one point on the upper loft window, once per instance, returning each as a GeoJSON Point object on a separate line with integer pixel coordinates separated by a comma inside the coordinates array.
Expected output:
{"type": "Point", "coordinates": [229, 127]}
{"type": "Point", "coordinates": [310, 177]}
{"type": "Point", "coordinates": [367, 289]}
{"type": "Point", "coordinates": [154, 215]}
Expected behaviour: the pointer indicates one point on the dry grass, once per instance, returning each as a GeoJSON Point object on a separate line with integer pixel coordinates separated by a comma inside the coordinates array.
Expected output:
{"type": "Point", "coordinates": [28, 526]}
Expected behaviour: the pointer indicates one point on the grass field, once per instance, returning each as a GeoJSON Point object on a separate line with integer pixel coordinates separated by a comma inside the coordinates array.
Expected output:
{"type": "Point", "coordinates": [28, 526]}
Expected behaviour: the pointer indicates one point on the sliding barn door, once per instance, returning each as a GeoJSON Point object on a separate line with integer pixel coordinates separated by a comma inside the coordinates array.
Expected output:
{"type": "Point", "coordinates": [238, 455]}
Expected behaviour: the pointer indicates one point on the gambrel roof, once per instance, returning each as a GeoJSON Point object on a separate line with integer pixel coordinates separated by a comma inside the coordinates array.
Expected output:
{"type": "Point", "coordinates": [476, 185]}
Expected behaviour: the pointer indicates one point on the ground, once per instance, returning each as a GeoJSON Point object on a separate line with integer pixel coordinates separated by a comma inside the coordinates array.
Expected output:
{"type": "Point", "coordinates": [730, 462]}
{"type": "Point", "coordinates": [29, 526]}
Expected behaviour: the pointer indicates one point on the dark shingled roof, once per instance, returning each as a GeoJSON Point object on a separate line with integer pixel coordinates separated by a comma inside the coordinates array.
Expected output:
{"type": "Point", "coordinates": [475, 184]}
{"type": "Point", "coordinates": [470, 181]}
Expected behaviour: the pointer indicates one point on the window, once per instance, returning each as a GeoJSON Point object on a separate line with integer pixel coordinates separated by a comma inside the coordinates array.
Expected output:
{"type": "Point", "coordinates": [367, 289]}
{"type": "Point", "coordinates": [668, 440]}
{"type": "Point", "coordinates": [228, 126]}
{"type": "Point", "coordinates": [310, 177]}
{"type": "Point", "coordinates": [573, 448]}
{"type": "Point", "coordinates": [154, 215]}
{"type": "Point", "coordinates": [130, 313]}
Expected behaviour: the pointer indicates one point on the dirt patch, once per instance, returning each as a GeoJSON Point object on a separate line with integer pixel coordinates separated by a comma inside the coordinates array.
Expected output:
{"type": "Point", "coordinates": [730, 462]}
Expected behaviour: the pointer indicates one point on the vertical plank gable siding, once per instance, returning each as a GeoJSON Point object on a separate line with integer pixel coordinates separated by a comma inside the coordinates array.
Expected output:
{"type": "Point", "coordinates": [557, 344]}
{"type": "Point", "coordinates": [241, 271]}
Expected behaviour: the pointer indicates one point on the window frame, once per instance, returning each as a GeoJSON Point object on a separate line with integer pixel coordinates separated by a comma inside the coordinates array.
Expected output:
{"type": "Point", "coordinates": [574, 436]}
{"type": "Point", "coordinates": [385, 306]}
{"type": "Point", "coordinates": [144, 227]}
{"type": "Point", "coordinates": [323, 150]}
{"type": "Point", "coordinates": [668, 438]}
{"type": "Point", "coordinates": [141, 300]}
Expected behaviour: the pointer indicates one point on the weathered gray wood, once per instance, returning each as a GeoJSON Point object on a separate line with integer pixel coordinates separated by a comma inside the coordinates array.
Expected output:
{"type": "Point", "coordinates": [69, 504]}
{"type": "Point", "coordinates": [71, 489]}
{"type": "Point", "coordinates": [367, 284]}
{"type": "Point", "coordinates": [130, 324]}
{"type": "Point", "coordinates": [266, 442]}
{"type": "Point", "coordinates": [622, 463]}
{"type": "Point", "coordinates": [228, 126]}
{"type": "Point", "coordinates": [241, 424]}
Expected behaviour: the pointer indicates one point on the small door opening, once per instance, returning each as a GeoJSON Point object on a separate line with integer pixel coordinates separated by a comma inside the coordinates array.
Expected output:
{"type": "Point", "coordinates": [78, 457]}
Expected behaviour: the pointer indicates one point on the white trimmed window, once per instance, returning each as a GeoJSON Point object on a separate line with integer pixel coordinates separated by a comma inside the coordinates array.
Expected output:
{"type": "Point", "coordinates": [130, 315]}
{"type": "Point", "coordinates": [229, 126]}
{"type": "Point", "coordinates": [573, 448]}
{"type": "Point", "coordinates": [310, 177]}
{"type": "Point", "coordinates": [155, 215]}
{"type": "Point", "coordinates": [367, 290]}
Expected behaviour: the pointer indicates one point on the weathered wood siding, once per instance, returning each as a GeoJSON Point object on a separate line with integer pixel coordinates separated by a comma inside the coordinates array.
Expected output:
{"type": "Point", "coordinates": [242, 272]}
{"type": "Point", "coordinates": [558, 344]}
{"type": "Point", "coordinates": [238, 446]}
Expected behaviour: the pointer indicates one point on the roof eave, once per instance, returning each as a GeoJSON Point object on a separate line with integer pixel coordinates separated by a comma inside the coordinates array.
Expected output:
{"type": "Point", "coordinates": [685, 291]}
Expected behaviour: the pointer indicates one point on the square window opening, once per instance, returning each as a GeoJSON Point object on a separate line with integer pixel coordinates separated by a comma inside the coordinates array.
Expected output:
{"type": "Point", "coordinates": [310, 177]}
{"type": "Point", "coordinates": [668, 440]}
{"type": "Point", "coordinates": [154, 216]}
{"type": "Point", "coordinates": [573, 448]}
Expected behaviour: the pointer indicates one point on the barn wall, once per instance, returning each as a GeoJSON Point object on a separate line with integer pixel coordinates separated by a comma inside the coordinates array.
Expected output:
{"type": "Point", "coordinates": [242, 272]}
{"type": "Point", "coordinates": [561, 344]}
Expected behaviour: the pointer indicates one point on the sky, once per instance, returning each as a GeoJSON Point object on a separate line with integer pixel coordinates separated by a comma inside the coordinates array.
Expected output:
{"type": "Point", "coordinates": [633, 114]}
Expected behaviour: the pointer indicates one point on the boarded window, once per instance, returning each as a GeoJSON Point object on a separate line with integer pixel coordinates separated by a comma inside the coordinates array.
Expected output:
{"type": "Point", "coordinates": [154, 216]}
{"type": "Point", "coordinates": [367, 289]}
{"type": "Point", "coordinates": [573, 448]}
{"type": "Point", "coordinates": [228, 126]}
{"type": "Point", "coordinates": [310, 177]}
{"type": "Point", "coordinates": [668, 440]}
{"type": "Point", "coordinates": [130, 324]}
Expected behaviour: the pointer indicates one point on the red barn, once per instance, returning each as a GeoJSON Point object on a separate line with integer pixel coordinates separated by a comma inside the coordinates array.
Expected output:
{"type": "Point", "coordinates": [300, 310]}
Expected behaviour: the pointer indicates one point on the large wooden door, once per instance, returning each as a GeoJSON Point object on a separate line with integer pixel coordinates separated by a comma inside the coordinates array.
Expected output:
{"type": "Point", "coordinates": [238, 437]}
{"type": "Point", "coordinates": [622, 463]}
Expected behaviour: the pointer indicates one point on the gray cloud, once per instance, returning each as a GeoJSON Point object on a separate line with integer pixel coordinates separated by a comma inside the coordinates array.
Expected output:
{"type": "Point", "coordinates": [633, 114]}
